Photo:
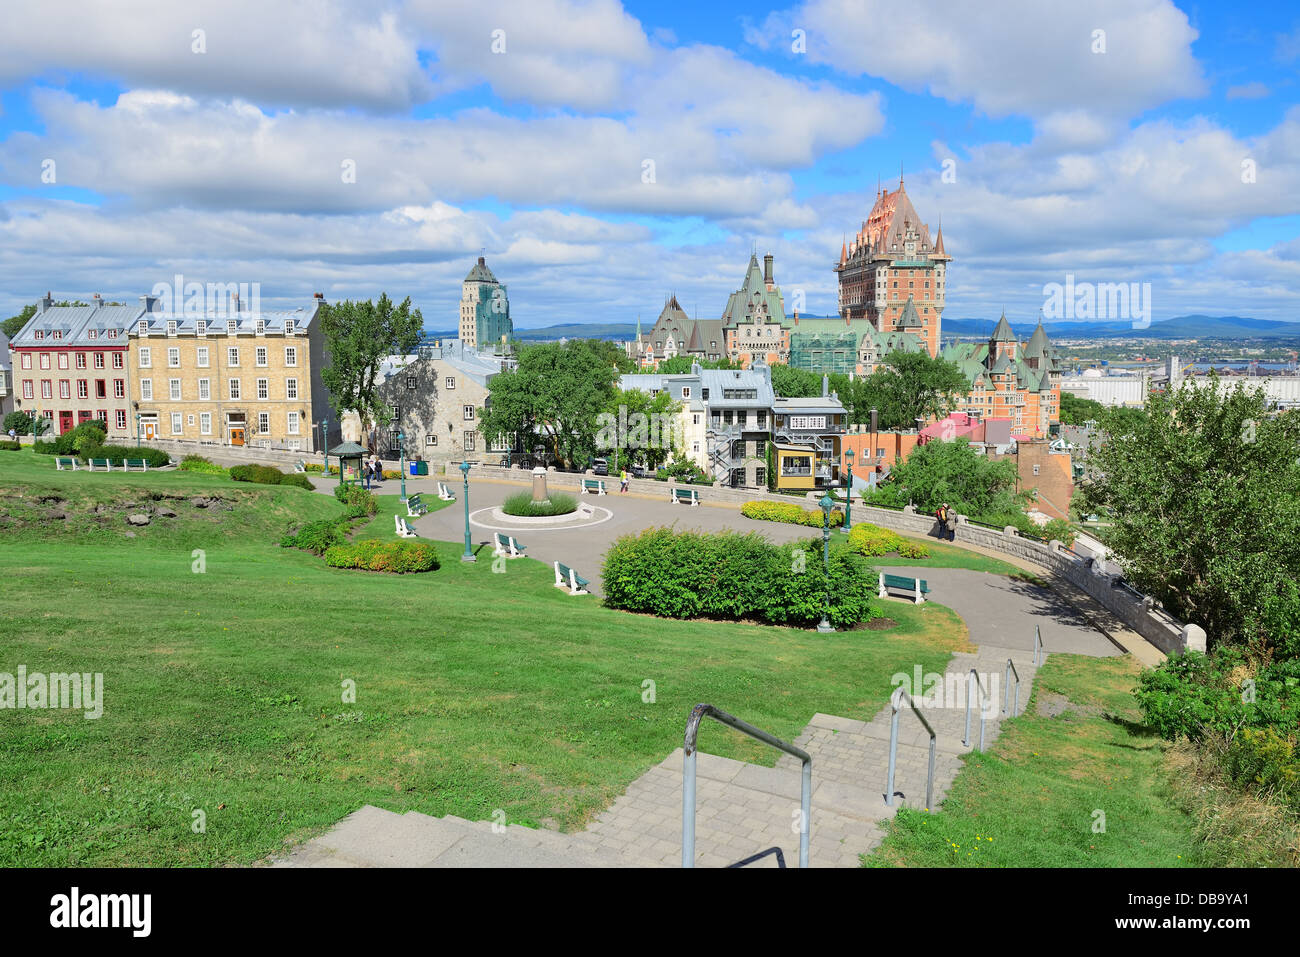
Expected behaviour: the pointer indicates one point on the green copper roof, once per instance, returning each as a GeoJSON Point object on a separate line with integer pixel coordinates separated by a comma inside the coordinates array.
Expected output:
{"type": "Point", "coordinates": [1003, 331]}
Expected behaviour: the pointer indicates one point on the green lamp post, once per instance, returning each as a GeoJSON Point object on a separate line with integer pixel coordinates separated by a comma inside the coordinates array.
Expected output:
{"type": "Point", "coordinates": [137, 430]}
{"type": "Point", "coordinates": [848, 499]}
{"type": "Point", "coordinates": [826, 503]}
{"type": "Point", "coordinates": [469, 551]}
{"type": "Point", "coordinates": [401, 462]}
{"type": "Point", "coordinates": [325, 446]}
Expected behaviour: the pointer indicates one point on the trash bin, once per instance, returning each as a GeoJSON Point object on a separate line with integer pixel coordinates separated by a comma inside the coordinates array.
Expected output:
{"type": "Point", "coordinates": [415, 468]}
{"type": "Point", "coordinates": [420, 468]}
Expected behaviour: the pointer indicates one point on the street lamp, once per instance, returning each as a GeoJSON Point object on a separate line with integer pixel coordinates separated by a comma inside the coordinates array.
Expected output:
{"type": "Point", "coordinates": [325, 446]}
{"type": "Point", "coordinates": [469, 552]}
{"type": "Point", "coordinates": [824, 626]}
{"type": "Point", "coordinates": [401, 462]}
{"type": "Point", "coordinates": [137, 430]}
{"type": "Point", "coordinates": [848, 500]}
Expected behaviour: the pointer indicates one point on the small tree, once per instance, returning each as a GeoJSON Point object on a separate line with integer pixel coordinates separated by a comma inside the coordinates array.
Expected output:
{"type": "Point", "coordinates": [358, 335]}
{"type": "Point", "coordinates": [13, 325]}
{"type": "Point", "coordinates": [909, 386]}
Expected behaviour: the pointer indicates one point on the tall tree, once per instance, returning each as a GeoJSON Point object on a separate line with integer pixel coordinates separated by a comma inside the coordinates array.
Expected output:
{"type": "Point", "coordinates": [13, 325]}
{"type": "Point", "coordinates": [678, 365]}
{"type": "Point", "coordinates": [1202, 497]}
{"type": "Point", "coordinates": [358, 335]}
{"type": "Point", "coordinates": [791, 383]}
{"type": "Point", "coordinates": [557, 391]}
{"type": "Point", "coordinates": [638, 427]}
{"type": "Point", "coordinates": [955, 473]}
{"type": "Point", "coordinates": [908, 386]}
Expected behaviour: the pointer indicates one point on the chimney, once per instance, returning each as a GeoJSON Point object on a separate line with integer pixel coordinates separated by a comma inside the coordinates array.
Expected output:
{"type": "Point", "coordinates": [826, 386]}
{"type": "Point", "coordinates": [482, 261]}
{"type": "Point", "coordinates": [45, 302]}
{"type": "Point", "coordinates": [98, 300]}
{"type": "Point", "coordinates": [236, 303]}
{"type": "Point", "coordinates": [767, 271]}
{"type": "Point", "coordinates": [147, 303]}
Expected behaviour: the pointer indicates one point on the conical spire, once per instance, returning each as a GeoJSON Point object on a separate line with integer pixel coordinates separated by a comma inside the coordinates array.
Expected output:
{"type": "Point", "coordinates": [844, 251]}
{"type": "Point", "coordinates": [938, 240]}
{"type": "Point", "coordinates": [1002, 332]}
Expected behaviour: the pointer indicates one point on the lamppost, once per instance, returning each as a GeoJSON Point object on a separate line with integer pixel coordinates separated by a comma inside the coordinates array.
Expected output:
{"type": "Point", "coordinates": [401, 462]}
{"type": "Point", "coordinates": [824, 626]}
{"type": "Point", "coordinates": [137, 430]}
{"type": "Point", "coordinates": [469, 552]}
{"type": "Point", "coordinates": [848, 500]}
{"type": "Point", "coordinates": [325, 446]}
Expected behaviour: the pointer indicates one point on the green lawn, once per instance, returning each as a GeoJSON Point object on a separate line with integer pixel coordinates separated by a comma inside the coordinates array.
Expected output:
{"type": "Point", "coordinates": [475, 690]}
{"type": "Point", "coordinates": [1033, 799]}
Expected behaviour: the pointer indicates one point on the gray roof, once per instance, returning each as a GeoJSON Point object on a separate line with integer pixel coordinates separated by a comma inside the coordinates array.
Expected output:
{"type": "Point", "coordinates": [480, 272]}
{"type": "Point", "coordinates": [218, 320]}
{"type": "Point", "coordinates": [78, 326]}
{"type": "Point", "coordinates": [817, 403]}
{"type": "Point", "coordinates": [4, 351]}
{"type": "Point", "coordinates": [718, 380]}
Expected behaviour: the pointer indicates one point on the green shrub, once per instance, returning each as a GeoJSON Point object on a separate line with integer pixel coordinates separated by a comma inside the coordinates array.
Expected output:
{"type": "Point", "coordinates": [522, 503]}
{"type": "Point", "coordinates": [908, 549]}
{"type": "Point", "coordinates": [399, 558]}
{"type": "Point", "coordinates": [197, 463]}
{"type": "Point", "coordinates": [732, 576]}
{"type": "Point", "coordinates": [1198, 696]}
{"type": "Point", "coordinates": [316, 537]}
{"type": "Point", "coordinates": [7, 446]}
{"type": "Point", "coordinates": [791, 513]}
{"type": "Point", "coordinates": [261, 474]}
{"type": "Point", "coordinates": [1261, 759]}
{"type": "Point", "coordinates": [116, 453]}
{"type": "Point", "coordinates": [45, 448]}
{"type": "Point", "coordinates": [20, 422]}
{"type": "Point", "coordinates": [298, 480]}
{"type": "Point", "coordinates": [358, 500]}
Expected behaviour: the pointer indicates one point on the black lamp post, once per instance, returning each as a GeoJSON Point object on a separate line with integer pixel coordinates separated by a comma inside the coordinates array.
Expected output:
{"type": "Point", "coordinates": [825, 625]}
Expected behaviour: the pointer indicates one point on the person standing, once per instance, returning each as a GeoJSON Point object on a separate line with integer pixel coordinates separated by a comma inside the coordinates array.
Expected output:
{"type": "Point", "coordinates": [950, 519]}
{"type": "Point", "coordinates": [622, 481]}
{"type": "Point", "coordinates": [941, 516]}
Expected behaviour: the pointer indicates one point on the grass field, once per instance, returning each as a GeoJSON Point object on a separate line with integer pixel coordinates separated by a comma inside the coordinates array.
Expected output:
{"type": "Point", "coordinates": [224, 688]}
{"type": "Point", "coordinates": [1037, 797]}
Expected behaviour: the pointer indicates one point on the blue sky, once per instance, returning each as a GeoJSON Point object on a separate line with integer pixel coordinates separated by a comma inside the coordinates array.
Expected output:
{"type": "Point", "coordinates": [211, 142]}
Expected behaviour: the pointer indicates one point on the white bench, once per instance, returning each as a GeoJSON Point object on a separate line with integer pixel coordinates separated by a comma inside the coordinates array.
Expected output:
{"type": "Point", "coordinates": [404, 528]}
{"type": "Point", "coordinates": [129, 465]}
{"type": "Point", "coordinates": [300, 466]}
{"type": "Point", "coordinates": [566, 577]}
{"type": "Point", "coordinates": [687, 495]}
{"type": "Point", "coordinates": [444, 493]}
{"type": "Point", "coordinates": [593, 487]}
{"type": "Point", "coordinates": [507, 545]}
{"type": "Point", "coordinates": [414, 507]}
{"type": "Point", "coordinates": [63, 464]}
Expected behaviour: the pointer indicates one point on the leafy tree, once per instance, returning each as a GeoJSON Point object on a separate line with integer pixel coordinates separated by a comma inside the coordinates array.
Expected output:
{"type": "Point", "coordinates": [1076, 410]}
{"type": "Point", "coordinates": [19, 421]}
{"type": "Point", "coordinates": [1203, 496]}
{"type": "Point", "coordinates": [955, 473]}
{"type": "Point", "coordinates": [908, 386]}
{"type": "Point", "coordinates": [791, 383]}
{"type": "Point", "coordinates": [358, 335]}
{"type": "Point", "coordinates": [558, 391]}
{"type": "Point", "coordinates": [679, 365]}
{"type": "Point", "coordinates": [639, 428]}
{"type": "Point", "coordinates": [13, 325]}
{"type": "Point", "coordinates": [613, 353]}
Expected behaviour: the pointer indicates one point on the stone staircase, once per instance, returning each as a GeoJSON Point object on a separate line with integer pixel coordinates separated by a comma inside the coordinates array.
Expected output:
{"type": "Point", "coordinates": [742, 809]}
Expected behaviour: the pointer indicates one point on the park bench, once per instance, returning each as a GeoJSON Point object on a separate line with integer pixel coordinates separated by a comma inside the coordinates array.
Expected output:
{"type": "Point", "coordinates": [687, 495]}
{"type": "Point", "coordinates": [916, 586]}
{"type": "Point", "coordinates": [129, 465]}
{"type": "Point", "coordinates": [593, 487]}
{"type": "Point", "coordinates": [62, 463]}
{"type": "Point", "coordinates": [104, 464]}
{"type": "Point", "coordinates": [507, 545]}
{"type": "Point", "coordinates": [403, 527]}
{"type": "Point", "coordinates": [566, 577]}
{"type": "Point", "coordinates": [300, 466]}
{"type": "Point", "coordinates": [444, 493]}
{"type": "Point", "coordinates": [414, 506]}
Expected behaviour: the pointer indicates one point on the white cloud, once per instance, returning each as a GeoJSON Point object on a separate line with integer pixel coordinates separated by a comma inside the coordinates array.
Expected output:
{"type": "Point", "coordinates": [1247, 91]}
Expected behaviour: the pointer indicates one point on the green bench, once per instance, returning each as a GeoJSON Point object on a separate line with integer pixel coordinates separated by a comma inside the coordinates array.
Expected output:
{"type": "Point", "coordinates": [63, 464]}
{"type": "Point", "coordinates": [444, 493]}
{"type": "Point", "coordinates": [414, 506]}
{"type": "Point", "coordinates": [403, 527]}
{"type": "Point", "coordinates": [129, 465]}
{"type": "Point", "coordinates": [566, 577]}
{"type": "Point", "coordinates": [917, 587]}
{"type": "Point", "coordinates": [300, 466]}
{"type": "Point", "coordinates": [593, 486]}
{"type": "Point", "coordinates": [104, 464]}
{"type": "Point", "coordinates": [686, 496]}
{"type": "Point", "coordinates": [507, 545]}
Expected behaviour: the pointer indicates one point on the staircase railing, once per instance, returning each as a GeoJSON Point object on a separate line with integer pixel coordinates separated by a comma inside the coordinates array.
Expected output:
{"type": "Point", "coordinates": [698, 714]}
{"type": "Point", "coordinates": [975, 678]}
{"type": "Point", "coordinates": [896, 703]}
{"type": "Point", "coordinates": [1038, 646]}
{"type": "Point", "coordinates": [1006, 693]}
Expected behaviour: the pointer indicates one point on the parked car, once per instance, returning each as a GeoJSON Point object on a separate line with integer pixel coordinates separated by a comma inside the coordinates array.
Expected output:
{"type": "Point", "coordinates": [600, 466]}
{"type": "Point", "coordinates": [638, 471]}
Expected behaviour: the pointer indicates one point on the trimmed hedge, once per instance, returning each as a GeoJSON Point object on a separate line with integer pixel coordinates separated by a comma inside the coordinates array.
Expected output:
{"type": "Point", "coordinates": [872, 541]}
{"type": "Point", "coordinates": [267, 475]}
{"type": "Point", "coordinates": [790, 513]}
{"type": "Point", "coordinates": [733, 576]}
{"type": "Point", "coordinates": [8, 446]}
{"type": "Point", "coordinates": [359, 502]}
{"type": "Point", "coordinates": [156, 458]}
{"type": "Point", "coordinates": [399, 558]}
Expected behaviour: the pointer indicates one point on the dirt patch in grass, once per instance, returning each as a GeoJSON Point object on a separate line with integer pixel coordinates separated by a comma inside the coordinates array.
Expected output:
{"type": "Point", "coordinates": [875, 624]}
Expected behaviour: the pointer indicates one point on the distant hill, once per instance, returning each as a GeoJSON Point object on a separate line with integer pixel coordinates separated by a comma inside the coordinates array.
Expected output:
{"type": "Point", "coordinates": [1180, 327]}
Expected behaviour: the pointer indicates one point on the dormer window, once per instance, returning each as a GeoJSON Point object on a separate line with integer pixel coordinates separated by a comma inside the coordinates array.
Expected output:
{"type": "Point", "coordinates": [201, 327]}
{"type": "Point", "coordinates": [171, 327]}
{"type": "Point", "coordinates": [142, 327]}
{"type": "Point", "coordinates": [92, 334]}
{"type": "Point", "coordinates": [261, 327]}
{"type": "Point", "coordinates": [38, 334]}
{"type": "Point", "coordinates": [288, 327]}
{"type": "Point", "coordinates": [58, 334]}
{"type": "Point", "coordinates": [232, 326]}
{"type": "Point", "coordinates": [112, 333]}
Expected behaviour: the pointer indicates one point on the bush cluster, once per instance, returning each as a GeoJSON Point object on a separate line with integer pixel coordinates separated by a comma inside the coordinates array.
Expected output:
{"type": "Point", "coordinates": [791, 513]}
{"type": "Point", "coordinates": [7, 446]}
{"type": "Point", "coordinates": [734, 576]}
{"type": "Point", "coordinates": [316, 537]}
{"type": "Point", "coordinates": [197, 463]}
{"type": "Point", "coordinates": [156, 458]}
{"type": "Point", "coordinates": [522, 503]}
{"type": "Point", "coordinates": [1056, 528]}
{"type": "Point", "coordinates": [873, 541]}
{"type": "Point", "coordinates": [20, 422]}
{"type": "Point", "coordinates": [398, 558]}
{"type": "Point", "coordinates": [267, 475]}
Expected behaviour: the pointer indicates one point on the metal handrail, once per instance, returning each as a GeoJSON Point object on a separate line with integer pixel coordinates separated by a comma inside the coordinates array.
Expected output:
{"type": "Point", "coordinates": [895, 702]}
{"type": "Point", "coordinates": [1038, 645]}
{"type": "Point", "coordinates": [1011, 670]}
{"type": "Point", "coordinates": [983, 701]}
{"type": "Point", "coordinates": [699, 713]}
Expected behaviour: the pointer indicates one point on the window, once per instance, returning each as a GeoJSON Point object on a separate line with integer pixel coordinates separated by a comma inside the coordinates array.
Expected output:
{"type": "Point", "coordinates": [469, 441]}
{"type": "Point", "coordinates": [201, 329]}
{"type": "Point", "coordinates": [112, 333]}
{"type": "Point", "coordinates": [291, 355]}
{"type": "Point", "coordinates": [260, 326]}
{"type": "Point", "coordinates": [28, 389]}
{"type": "Point", "coordinates": [146, 389]}
{"type": "Point", "coordinates": [260, 354]}
{"type": "Point", "coordinates": [232, 326]}
{"type": "Point", "coordinates": [451, 382]}
{"type": "Point", "coordinates": [292, 428]}
{"type": "Point", "coordinates": [65, 389]}
{"type": "Point", "coordinates": [63, 360]}
{"type": "Point", "coordinates": [203, 357]}
{"type": "Point", "coordinates": [291, 388]}
{"type": "Point", "coordinates": [762, 418]}
{"type": "Point", "coordinates": [45, 360]}
{"type": "Point", "coordinates": [263, 389]}
{"type": "Point", "coordinates": [173, 358]}
{"type": "Point", "coordinates": [177, 426]}
{"type": "Point", "coordinates": [796, 465]}
{"type": "Point", "coordinates": [27, 361]}
{"type": "Point", "coordinates": [120, 418]}
{"type": "Point", "coordinates": [119, 388]}
{"type": "Point", "coordinates": [430, 439]}
{"type": "Point", "coordinates": [99, 360]}
{"type": "Point", "coordinates": [232, 357]}
{"type": "Point", "coordinates": [205, 423]}
{"type": "Point", "coordinates": [117, 360]}
{"type": "Point", "coordinates": [704, 394]}
{"type": "Point", "coordinates": [288, 327]}
{"type": "Point", "coordinates": [83, 389]}
{"type": "Point", "coordinates": [101, 389]}
{"type": "Point", "coordinates": [146, 357]}
{"type": "Point", "coordinates": [174, 389]}
{"type": "Point", "coordinates": [264, 422]}
{"type": "Point", "coordinates": [205, 389]}
{"type": "Point", "coordinates": [410, 382]}
{"type": "Point", "coordinates": [469, 413]}
{"type": "Point", "coordinates": [233, 389]}
{"type": "Point", "coordinates": [686, 392]}
{"type": "Point", "coordinates": [171, 328]}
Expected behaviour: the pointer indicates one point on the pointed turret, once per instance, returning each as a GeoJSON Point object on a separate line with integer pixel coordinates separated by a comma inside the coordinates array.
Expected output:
{"type": "Point", "coordinates": [1002, 332]}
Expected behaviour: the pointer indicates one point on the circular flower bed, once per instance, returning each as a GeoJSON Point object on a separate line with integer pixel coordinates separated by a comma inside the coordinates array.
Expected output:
{"type": "Point", "coordinates": [523, 506]}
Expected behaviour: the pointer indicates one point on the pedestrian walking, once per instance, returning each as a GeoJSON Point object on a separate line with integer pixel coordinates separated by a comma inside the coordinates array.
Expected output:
{"type": "Point", "coordinates": [622, 482]}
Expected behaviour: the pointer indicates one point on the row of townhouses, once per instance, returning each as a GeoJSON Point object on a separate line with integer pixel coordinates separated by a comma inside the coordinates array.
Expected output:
{"type": "Point", "coordinates": [740, 433]}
